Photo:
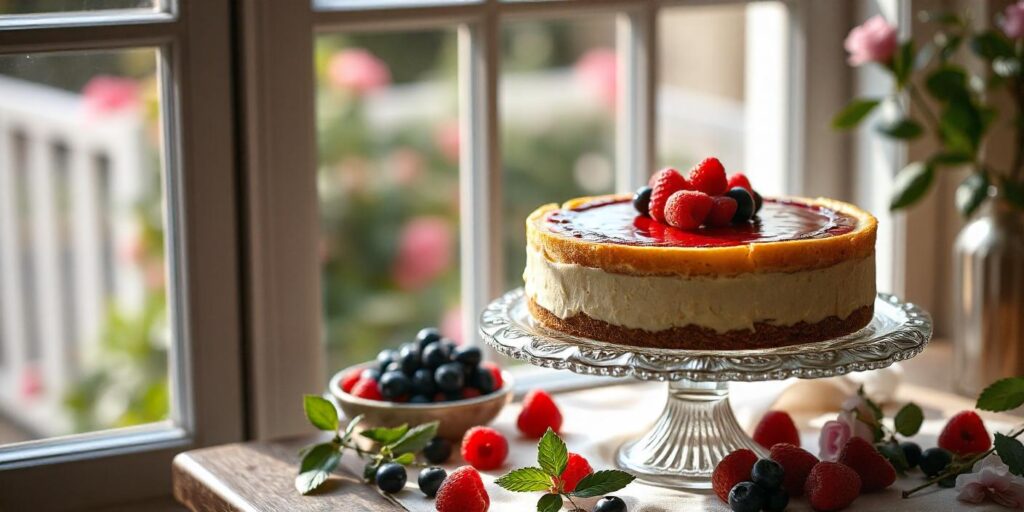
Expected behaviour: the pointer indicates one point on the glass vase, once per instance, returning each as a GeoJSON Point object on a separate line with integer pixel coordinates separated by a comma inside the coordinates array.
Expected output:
{"type": "Point", "coordinates": [988, 327]}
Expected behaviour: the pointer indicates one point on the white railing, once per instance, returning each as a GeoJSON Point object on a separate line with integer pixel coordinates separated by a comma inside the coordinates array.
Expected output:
{"type": "Point", "coordinates": [68, 183]}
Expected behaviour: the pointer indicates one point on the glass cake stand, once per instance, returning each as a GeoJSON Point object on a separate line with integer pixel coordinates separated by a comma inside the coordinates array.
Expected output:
{"type": "Point", "coordinates": [697, 427]}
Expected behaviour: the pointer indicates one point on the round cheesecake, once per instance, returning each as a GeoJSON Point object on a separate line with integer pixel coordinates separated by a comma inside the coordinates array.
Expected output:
{"type": "Point", "coordinates": [802, 270]}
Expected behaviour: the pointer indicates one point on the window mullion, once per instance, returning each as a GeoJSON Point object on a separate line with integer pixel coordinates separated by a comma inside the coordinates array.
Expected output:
{"type": "Point", "coordinates": [635, 115]}
{"type": "Point", "coordinates": [480, 166]}
{"type": "Point", "coordinates": [29, 39]}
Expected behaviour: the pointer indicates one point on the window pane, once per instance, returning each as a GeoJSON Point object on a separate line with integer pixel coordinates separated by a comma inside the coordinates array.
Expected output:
{"type": "Point", "coordinates": [388, 180]}
{"type": "Point", "coordinates": [84, 331]}
{"type": "Point", "coordinates": [719, 94]}
{"type": "Point", "coordinates": [326, 5]}
{"type": "Point", "coordinates": [51, 6]}
{"type": "Point", "coordinates": [558, 89]}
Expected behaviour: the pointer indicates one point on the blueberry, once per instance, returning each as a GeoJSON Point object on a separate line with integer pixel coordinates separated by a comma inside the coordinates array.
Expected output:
{"type": "Point", "coordinates": [393, 366]}
{"type": "Point", "coordinates": [449, 377]}
{"type": "Point", "coordinates": [744, 204]}
{"type": "Point", "coordinates": [610, 504]}
{"type": "Point", "coordinates": [767, 473]}
{"type": "Point", "coordinates": [391, 477]}
{"type": "Point", "coordinates": [423, 382]}
{"type": "Point", "coordinates": [438, 450]}
{"type": "Point", "coordinates": [385, 357]}
{"type": "Point", "coordinates": [470, 357]}
{"type": "Point", "coordinates": [430, 480]}
{"type": "Point", "coordinates": [394, 384]}
{"type": "Point", "coordinates": [370, 471]}
{"type": "Point", "coordinates": [449, 346]}
{"type": "Point", "coordinates": [433, 355]}
{"type": "Point", "coordinates": [370, 373]}
{"type": "Point", "coordinates": [776, 501]}
{"type": "Point", "coordinates": [758, 202]}
{"type": "Point", "coordinates": [419, 399]}
{"type": "Point", "coordinates": [642, 200]}
{"type": "Point", "coordinates": [746, 497]}
{"type": "Point", "coordinates": [934, 460]}
{"type": "Point", "coordinates": [912, 454]}
{"type": "Point", "coordinates": [482, 380]}
{"type": "Point", "coordinates": [427, 335]}
{"type": "Point", "coordinates": [409, 358]}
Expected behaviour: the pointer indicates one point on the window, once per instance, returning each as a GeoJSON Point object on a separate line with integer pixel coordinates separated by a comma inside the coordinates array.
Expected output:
{"type": "Point", "coordinates": [119, 330]}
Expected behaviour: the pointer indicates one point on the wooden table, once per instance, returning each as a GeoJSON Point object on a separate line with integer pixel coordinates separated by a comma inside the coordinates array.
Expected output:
{"type": "Point", "coordinates": [258, 476]}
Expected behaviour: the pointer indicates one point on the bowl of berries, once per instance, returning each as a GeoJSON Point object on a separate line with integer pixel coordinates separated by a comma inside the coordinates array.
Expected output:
{"type": "Point", "coordinates": [430, 378]}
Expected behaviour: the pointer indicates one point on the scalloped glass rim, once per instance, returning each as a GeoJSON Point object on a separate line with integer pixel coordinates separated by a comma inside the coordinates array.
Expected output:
{"type": "Point", "coordinates": [898, 331]}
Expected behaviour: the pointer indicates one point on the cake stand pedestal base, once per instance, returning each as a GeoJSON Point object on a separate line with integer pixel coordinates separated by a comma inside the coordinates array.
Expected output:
{"type": "Point", "coordinates": [694, 432]}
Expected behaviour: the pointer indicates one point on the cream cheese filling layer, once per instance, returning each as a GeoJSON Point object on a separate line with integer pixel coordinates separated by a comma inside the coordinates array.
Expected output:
{"type": "Point", "coordinates": [656, 303]}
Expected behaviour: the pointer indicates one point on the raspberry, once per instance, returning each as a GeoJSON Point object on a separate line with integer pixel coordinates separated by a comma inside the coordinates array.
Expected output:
{"type": "Point", "coordinates": [462, 491]}
{"type": "Point", "coordinates": [495, 372]}
{"type": "Point", "coordinates": [776, 427]}
{"type": "Point", "coordinates": [484, 448]}
{"type": "Point", "coordinates": [575, 470]}
{"type": "Point", "coordinates": [965, 434]}
{"type": "Point", "coordinates": [348, 381]}
{"type": "Point", "coordinates": [831, 486]}
{"type": "Point", "coordinates": [539, 412]}
{"type": "Point", "coordinates": [875, 472]}
{"type": "Point", "coordinates": [722, 210]}
{"type": "Point", "coordinates": [470, 392]}
{"type": "Point", "coordinates": [687, 209]}
{"type": "Point", "coordinates": [708, 177]}
{"type": "Point", "coordinates": [731, 470]}
{"type": "Point", "coordinates": [738, 179]}
{"type": "Point", "coordinates": [666, 182]}
{"type": "Point", "coordinates": [796, 464]}
{"type": "Point", "coordinates": [367, 388]}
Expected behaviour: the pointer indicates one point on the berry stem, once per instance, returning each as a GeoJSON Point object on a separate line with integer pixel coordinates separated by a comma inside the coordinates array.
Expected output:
{"type": "Point", "coordinates": [955, 469]}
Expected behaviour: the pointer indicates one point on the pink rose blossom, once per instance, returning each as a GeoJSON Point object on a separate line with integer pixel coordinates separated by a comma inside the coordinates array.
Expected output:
{"type": "Point", "coordinates": [405, 165]}
{"type": "Point", "coordinates": [834, 435]}
{"type": "Point", "coordinates": [857, 414]}
{"type": "Point", "coordinates": [424, 252]}
{"type": "Point", "coordinates": [104, 95]}
{"type": "Point", "coordinates": [1012, 21]}
{"type": "Point", "coordinates": [451, 324]}
{"type": "Point", "coordinates": [991, 479]}
{"type": "Point", "coordinates": [357, 70]}
{"type": "Point", "coordinates": [448, 140]}
{"type": "Point", "coordinates": [597, 70]}
{"type": "Point", "coordinates": [874, 41]}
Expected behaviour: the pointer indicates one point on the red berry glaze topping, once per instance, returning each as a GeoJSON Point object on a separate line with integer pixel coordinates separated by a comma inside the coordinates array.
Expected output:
{"type": "Point", "coordinates": [776, 427]}
{"type": "Point", "coordinates": [462, 491]}
{"type": "Point", "coordinates": [731, 470]}
{"type": "Point", "coordinates": [666, 182]}
{"type": "Point", "coordinates": [965, 434]}
{"type": "Point", "coordinates": [708, 177]}
{"type": "Point", "coordinates": [538, 414]}
{"type": "Point", "coordinates": [484, 448]}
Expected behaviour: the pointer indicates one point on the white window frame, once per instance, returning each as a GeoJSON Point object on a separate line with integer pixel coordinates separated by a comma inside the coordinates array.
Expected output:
{"type": "Point", "coordinates": [103, 468]}
{"type": "Point", "coordinates": [284, 295]}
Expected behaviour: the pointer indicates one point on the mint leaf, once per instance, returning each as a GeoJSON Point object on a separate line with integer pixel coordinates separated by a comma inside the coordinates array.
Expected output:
{"type": "Point", "coordinates": [385, 435]}
{"type": "Point", "coordinates": [316, 467]}
{"type": "Point", "coordinates": [525, 480]}
{"type": "Point", "coordinates": [350, 428]}
{"type": "Point", "coordinates": [911, 184]}
{"type": "Point", "coordinates": [903, 129]}
{"type": "Point", "coordinates": [320, 412]}
{"type": "Point", "coordinates": [549, 503]}
{"type": "Point", "coordinates": [405, 459]}
{"type": "Point", "coordinates": [601, 483]}
{"type": "Point", "coordinates": [416, 438]}
{"type": "Point", "coordinates": [1002, 395]}
{"type": "Point", "coordinates": [854, 113]}
{"type": "Point", "coordinates": [908, 420]}
{"type": "Point", "coordinates": [1012, 453]}
{"type": "Point", "coordinates": [552, 455]}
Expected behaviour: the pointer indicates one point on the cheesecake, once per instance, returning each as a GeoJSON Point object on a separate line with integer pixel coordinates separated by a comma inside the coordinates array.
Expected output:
{"type": "Point", "coordinates": [800, 270]}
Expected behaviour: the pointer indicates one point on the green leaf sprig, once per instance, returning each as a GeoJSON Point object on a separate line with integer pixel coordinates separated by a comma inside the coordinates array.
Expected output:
{"type": "Point", "coordinates": [553, 457]}
{"type": "Point", "coordinates": [1002, 395]}
{"type": "Point", "coordinates": [396, 444]}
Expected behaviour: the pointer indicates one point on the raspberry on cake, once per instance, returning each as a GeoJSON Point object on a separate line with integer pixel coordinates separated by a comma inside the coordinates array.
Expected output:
{"type": "Point", "coordinates": [798, 271]}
